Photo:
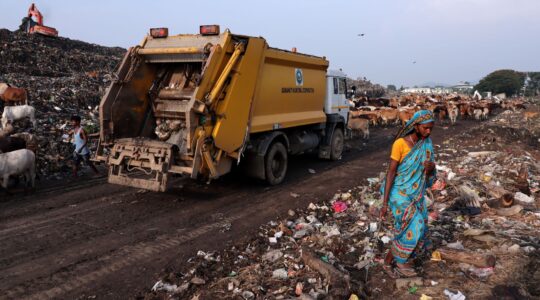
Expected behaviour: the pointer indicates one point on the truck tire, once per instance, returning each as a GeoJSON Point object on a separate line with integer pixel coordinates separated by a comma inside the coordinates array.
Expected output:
{"type": "Point", "coordinates": [275, 163]}
{"type": "Point", "coordinates": [336, 147]}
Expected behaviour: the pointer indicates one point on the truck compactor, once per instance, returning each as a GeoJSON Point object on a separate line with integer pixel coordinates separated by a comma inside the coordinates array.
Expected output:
{"type": "Point", "coordinates": [195, 104]}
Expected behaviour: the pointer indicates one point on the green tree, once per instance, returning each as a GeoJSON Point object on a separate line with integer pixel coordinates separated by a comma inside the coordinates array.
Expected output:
{"type": "Point", "coordinates": [533, 84]}
{"type": "Point", "coordinates": [509, 82]}
{"type": "Point", "coordinates": [391, 87]}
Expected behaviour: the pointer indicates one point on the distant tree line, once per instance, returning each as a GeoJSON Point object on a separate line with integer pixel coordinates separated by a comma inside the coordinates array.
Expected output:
{"type": "Point", "coordinates": [511, 83]}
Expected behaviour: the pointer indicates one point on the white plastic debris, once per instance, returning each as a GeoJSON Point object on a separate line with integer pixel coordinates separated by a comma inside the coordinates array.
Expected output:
{"type": "Point", "coordinates": [280, 274]}
{"type": "Point", "coordinates": [454, 296]}
{"type": "Point", "coordinates": [456, 245]}
{"type": "Point", "coordinates": [373, 226]}
{"type": "Point", "coordinates": [330, 230]}
{"type": "Point", "coordinates": [166, 287]}
{"type": "Point", "coordinates": [248, 295]}
{"type": "Point", "coordinates": [373, 180]}
{"type": "Point", "coordinates": [272, 255]}
{"type": "Point", "coordinates": [519, 196]}
{"type": "Point", "coordinates": [480, 153]}
{"type": "Point", "coordinates": [385, 239]}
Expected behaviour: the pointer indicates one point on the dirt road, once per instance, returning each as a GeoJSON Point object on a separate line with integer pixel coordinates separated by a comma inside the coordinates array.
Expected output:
{"type": "Point", "coordinates": [91, 238]}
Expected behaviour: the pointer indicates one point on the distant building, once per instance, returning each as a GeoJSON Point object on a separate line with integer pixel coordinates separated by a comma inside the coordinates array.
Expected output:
{"type": "Point", "coordinates": [417, 91]}
{"type": "Point", "coordinates": [427, 90]}
{"type": "Point", "coordinates": [463, 88]}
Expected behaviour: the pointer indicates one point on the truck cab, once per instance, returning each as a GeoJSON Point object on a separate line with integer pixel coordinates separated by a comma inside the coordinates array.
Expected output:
{"type": "Point", "coordinates": [336, 100]}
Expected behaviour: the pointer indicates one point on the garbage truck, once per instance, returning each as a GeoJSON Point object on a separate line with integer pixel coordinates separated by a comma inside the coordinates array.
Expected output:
{"type": "Point", "coordinates": [199, 104]}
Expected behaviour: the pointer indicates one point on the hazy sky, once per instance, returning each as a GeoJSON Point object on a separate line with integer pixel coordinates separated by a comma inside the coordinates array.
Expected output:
{"type": "Point", "coordinates": [450, 40]}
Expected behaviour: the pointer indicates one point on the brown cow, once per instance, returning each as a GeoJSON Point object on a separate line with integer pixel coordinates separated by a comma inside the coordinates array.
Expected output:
{"type": "Point", "coordinates": [529, 115]}
{"type": "Point", "coordinates": [405, 116]}
{"type": "Point", "coordinates": [15, 96]}
{"type": "Point", "coordinates": [358, 124]}
{"type": "Point", "coordinates": [389, 116]}
{"type": "Point", "coordinates": [372, 116]}
{"type": "Point", "coordinates": [464, 110]}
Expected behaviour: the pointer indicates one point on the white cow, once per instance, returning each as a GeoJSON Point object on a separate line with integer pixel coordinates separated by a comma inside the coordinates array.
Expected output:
{"type": "Point", "coordinates": [14, 113]}
{"type": "Point", "coordinates": [18, 162]}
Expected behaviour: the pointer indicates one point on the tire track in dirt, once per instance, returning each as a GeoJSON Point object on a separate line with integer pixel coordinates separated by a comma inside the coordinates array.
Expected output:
{"type": "Point", "coordinates": [127, 256]}
{"type": "Point", "coordinates": [21, 226]}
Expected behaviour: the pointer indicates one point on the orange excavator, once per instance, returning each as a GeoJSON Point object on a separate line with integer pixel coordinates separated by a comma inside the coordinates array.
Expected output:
{"type": "Point", "coordinates": [30, 25]}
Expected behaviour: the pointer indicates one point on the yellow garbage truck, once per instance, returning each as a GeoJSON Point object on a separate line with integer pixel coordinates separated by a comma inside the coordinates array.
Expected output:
{"type": "Point", "coordinates": [197, 104]}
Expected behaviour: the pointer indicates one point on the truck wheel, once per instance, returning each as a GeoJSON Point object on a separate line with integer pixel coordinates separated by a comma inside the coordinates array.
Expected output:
{"type": "Point", "coordinates": [275, 163]}
{"type": "Point", "coordinates": [337, 144]}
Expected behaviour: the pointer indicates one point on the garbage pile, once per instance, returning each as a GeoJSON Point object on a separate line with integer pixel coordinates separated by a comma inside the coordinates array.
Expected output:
{"type": "Point", "coordinates": [63, 77]}
{"type": "Point", "coordinates": [484, 226]}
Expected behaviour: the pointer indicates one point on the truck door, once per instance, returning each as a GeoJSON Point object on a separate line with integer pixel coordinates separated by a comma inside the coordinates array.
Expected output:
{"type": "Point", "coordinates": [336, 101]}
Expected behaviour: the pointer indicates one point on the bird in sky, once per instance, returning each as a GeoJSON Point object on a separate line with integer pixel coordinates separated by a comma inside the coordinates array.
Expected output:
{"type": "Point", "coordinates": [361, 34]}
{"type": "Point", "coordinates": [414, 62]}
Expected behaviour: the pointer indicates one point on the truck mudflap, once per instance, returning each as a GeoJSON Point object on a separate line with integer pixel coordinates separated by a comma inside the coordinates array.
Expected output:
{"type": "Point", "coordinates": [141, 163]}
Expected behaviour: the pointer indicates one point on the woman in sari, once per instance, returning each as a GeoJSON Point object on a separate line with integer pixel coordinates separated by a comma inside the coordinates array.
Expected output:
{"type": "Point", "coordinates": [411, 171]}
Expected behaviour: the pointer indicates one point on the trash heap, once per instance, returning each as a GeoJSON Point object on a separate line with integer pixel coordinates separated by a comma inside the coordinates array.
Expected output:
{"type": "Point", "coordinates": [484, 226]}
{"type": "Point", "coordinates": [62, 77]}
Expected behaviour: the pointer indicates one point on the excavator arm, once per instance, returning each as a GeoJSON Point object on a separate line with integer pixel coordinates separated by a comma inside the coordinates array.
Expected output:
{"type": "Point", "coordinates": [34, 12]}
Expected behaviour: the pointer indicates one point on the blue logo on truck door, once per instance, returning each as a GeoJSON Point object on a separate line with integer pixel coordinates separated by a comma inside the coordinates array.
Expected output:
{"type": "Point", "coordinates": [299, 77]}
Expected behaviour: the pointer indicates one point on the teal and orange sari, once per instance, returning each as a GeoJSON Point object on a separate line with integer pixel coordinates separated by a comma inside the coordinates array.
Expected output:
{"type": "Point", "coordinates": [406, 200]}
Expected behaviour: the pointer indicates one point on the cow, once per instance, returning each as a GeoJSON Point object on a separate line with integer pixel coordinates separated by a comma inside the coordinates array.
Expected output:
{"type": "Point", "coordinates": [7, 131]}
{"type": "Point", "coordinates": [358, 124]}
{"type": "Point", "coordinates": [19, 162]}
{"type": "Point", "coordinates": [485, 113]}
{"type": "Point", "coordinates": [10, 143]}
{"type": "Point", "coordinates": [405, 115]}
{"type": "Point", "coordinates": [440, 112]}
{"type": "Point", "coordinates": [478, 112]}
{"type": "Point", "coordinates": [14, 113]}
{"type": "Point", "coordinates": [464, 110]}
{"type": "Point", "coordinates": [31, 141]}
{"type": "Point", "coordinates": [394, 102]}
{"type": "Point", "coordinates": [453, 112]}
{"type": "Point", "coordinates": [11, 95]}
{"type": "Point", "coordinates": [3, 87]}
{"type": "Point", "coordinates": [372, 116]}
{"type": "Point", "coordinates": [389, 116]}
{"type": "Point", "coordinates": [529, 115]}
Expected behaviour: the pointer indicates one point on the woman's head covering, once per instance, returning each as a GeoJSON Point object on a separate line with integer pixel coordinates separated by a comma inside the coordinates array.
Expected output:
{"type": "Point", "coordinates": [419, 117]}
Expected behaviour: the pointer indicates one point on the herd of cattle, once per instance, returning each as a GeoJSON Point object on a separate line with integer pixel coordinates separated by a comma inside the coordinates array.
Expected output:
{"type": "Point", "coordinates": [17, 150]}
{"type": "Point", "coordinates": [366, 112]}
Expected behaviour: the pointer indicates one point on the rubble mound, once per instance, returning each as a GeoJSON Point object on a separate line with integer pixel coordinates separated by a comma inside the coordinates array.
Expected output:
{"type": "Point", "coordinates": [63, 77]}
